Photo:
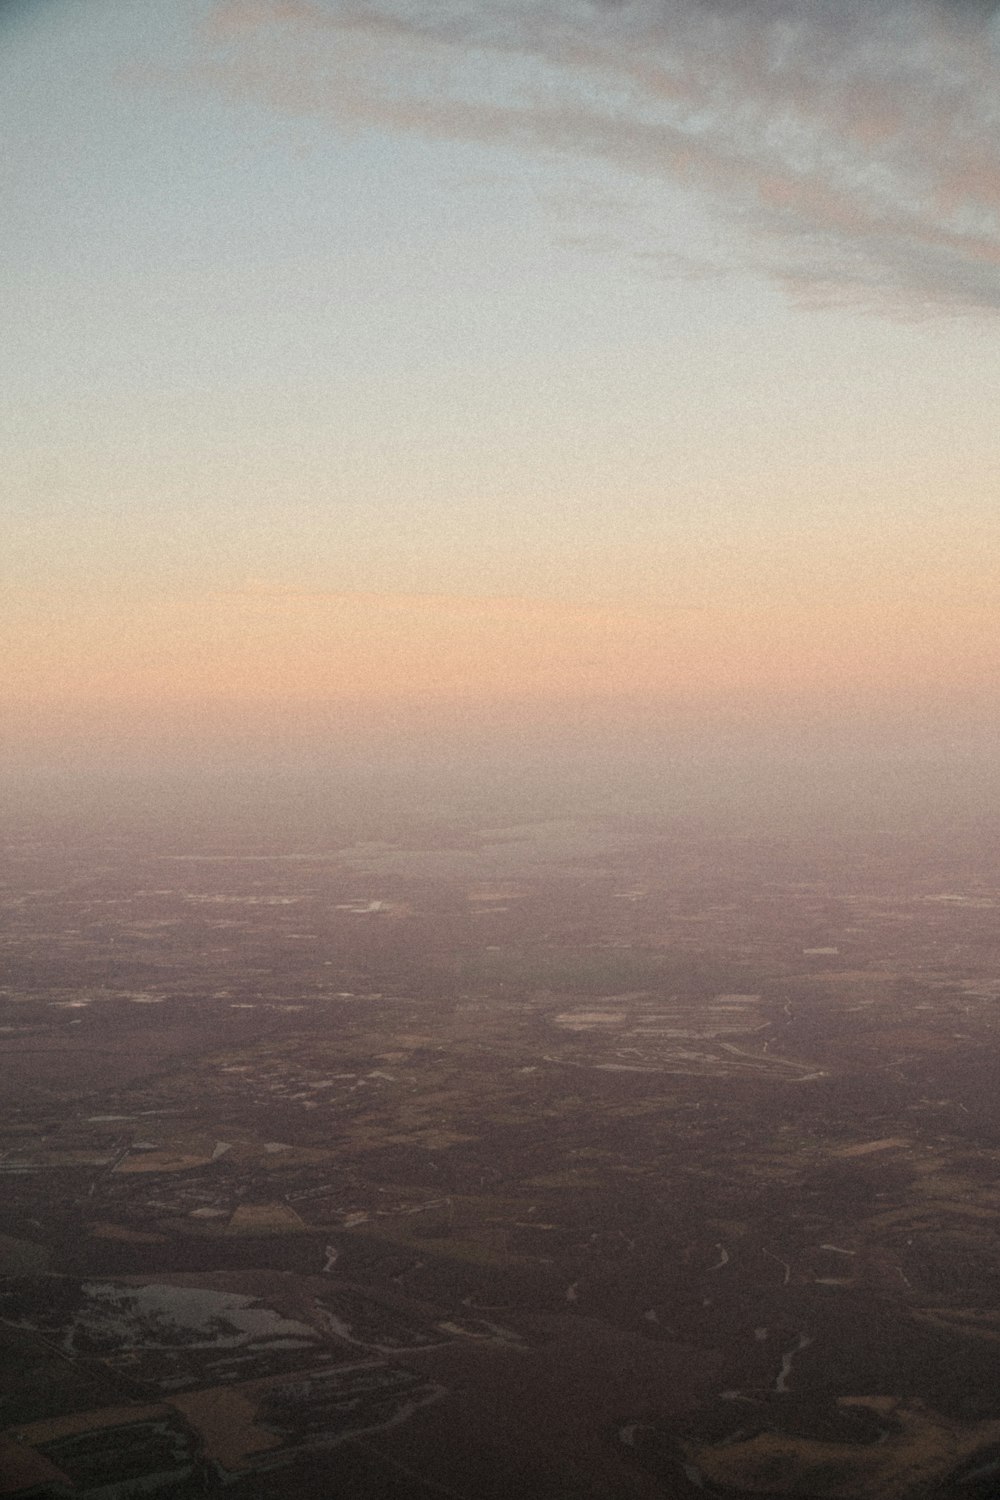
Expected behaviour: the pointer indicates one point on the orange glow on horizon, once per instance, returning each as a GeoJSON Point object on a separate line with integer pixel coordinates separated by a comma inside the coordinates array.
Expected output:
{"type": "Point", "coordinates": [259, 651]}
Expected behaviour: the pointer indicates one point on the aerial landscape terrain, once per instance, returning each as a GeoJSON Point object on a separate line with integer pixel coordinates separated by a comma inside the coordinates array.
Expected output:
{"type": "Point", "coordinates": [499, 757]}
{"type": "Point", "coordinates": [601, 1157]}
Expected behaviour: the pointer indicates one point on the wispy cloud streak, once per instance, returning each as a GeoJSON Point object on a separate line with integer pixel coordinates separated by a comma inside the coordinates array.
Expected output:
{"type": "Point", "coordinates": [856, 146]}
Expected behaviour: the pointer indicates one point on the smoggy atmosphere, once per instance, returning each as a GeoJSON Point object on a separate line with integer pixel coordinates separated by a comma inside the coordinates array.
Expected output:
{"type": "Point", "coordinates": [499, 854]}
{"type": "Point", "coordinates": [604, 383]}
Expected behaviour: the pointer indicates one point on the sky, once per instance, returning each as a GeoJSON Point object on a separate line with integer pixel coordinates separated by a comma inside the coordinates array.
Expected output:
{"type": "Point", "coordinates": [388, 375]}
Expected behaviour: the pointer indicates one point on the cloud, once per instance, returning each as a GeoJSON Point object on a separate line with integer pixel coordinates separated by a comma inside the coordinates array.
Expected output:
{"type": "Point", "coordinates": [854, 147]}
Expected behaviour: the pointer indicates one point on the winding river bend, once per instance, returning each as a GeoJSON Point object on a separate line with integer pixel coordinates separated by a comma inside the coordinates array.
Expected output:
{"type": "Point", "coordinates": [787, 1359]}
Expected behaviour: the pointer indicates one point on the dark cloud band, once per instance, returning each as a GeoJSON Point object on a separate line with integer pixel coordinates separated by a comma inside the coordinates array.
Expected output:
{"type": "Point", "coordinates": [858, 145]}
